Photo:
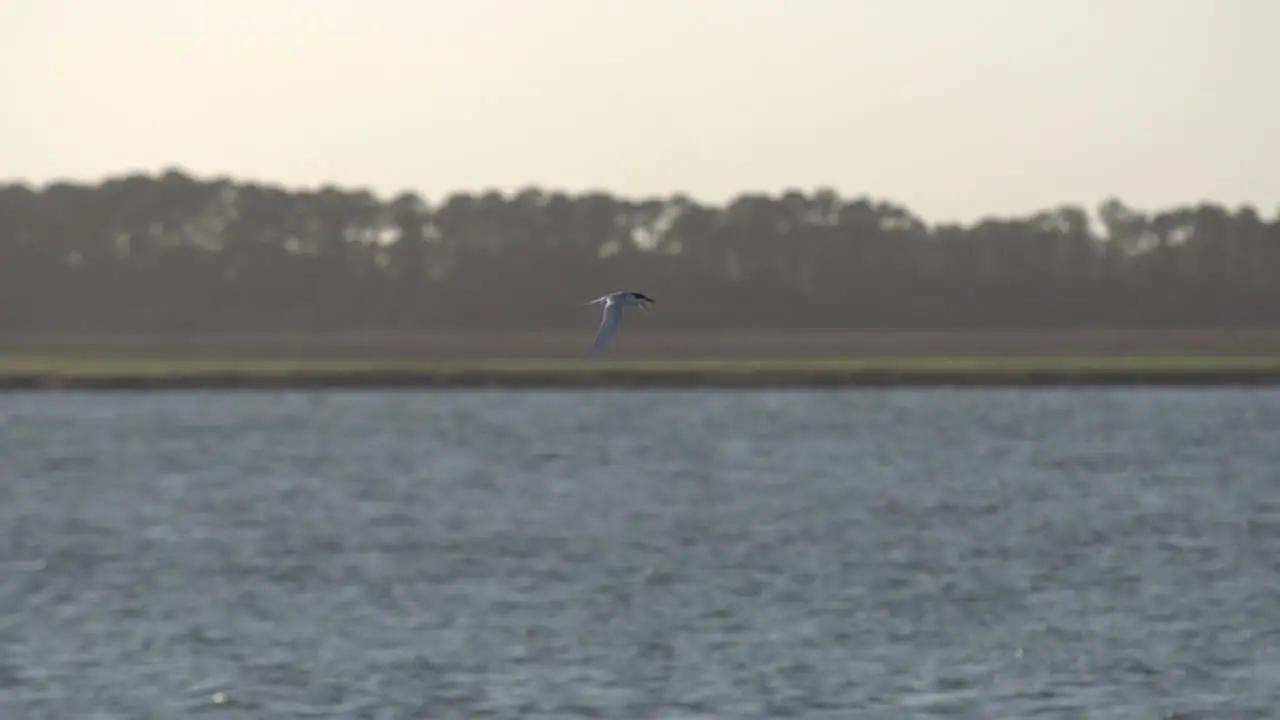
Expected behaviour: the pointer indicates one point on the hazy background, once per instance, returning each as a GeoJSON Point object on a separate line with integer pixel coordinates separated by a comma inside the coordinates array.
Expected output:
{"type": "Point", "coordinates": [416, 171]}
{"type": "Point", "coordinates": [956, 109]}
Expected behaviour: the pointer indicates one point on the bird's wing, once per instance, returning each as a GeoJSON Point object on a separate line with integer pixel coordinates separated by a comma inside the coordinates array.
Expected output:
{"type": "Point", "coordinates": [608, 326]}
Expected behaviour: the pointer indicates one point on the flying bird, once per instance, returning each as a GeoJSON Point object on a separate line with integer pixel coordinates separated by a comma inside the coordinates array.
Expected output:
{"type": "Point", "coordinates": [613, 305]}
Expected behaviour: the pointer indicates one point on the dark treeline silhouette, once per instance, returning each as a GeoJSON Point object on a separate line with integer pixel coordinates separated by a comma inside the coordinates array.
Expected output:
{"type": "Point", "coordinates": [172, 253]}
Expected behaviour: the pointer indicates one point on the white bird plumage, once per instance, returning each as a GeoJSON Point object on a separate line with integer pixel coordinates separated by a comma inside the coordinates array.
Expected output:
{"type": "Point", "coordinates": [613, 306]}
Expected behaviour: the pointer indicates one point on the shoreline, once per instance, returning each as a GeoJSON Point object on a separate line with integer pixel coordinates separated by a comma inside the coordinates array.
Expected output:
{"type": "Point", "coordinates": [556, 346]}
{"type": "Point", "coordinates": [164, 371]}
{"type": "Point", "coordinates": [642, 379]}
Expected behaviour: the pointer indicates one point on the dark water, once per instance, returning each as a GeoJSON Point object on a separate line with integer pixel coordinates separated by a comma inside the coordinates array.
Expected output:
{"type": "Point", "coordinates": [891, 554]}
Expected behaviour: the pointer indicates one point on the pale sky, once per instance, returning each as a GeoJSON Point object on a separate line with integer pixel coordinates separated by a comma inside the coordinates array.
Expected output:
{"type": "Point", "coordinates": [956, 108]}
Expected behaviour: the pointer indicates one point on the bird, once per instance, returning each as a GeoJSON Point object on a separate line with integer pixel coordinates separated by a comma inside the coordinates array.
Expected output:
{"type": "Point", "coordinates": [613, 304]}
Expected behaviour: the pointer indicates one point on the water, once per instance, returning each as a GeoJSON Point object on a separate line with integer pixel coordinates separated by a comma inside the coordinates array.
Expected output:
{"type": "Point", "coordinates": [892, 554]}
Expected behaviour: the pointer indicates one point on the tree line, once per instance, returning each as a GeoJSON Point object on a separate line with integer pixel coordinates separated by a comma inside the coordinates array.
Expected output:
{"type": "Point", "coordinates": [172, 253]}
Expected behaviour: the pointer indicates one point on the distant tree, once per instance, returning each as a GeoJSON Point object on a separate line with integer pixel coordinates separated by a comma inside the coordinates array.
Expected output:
{"type": "Point", "coordinates": [176, 254]}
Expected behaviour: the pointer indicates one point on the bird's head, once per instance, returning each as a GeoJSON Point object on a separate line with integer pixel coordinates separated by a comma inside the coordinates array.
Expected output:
{"type": "Point", "coordinates": [644, 300]}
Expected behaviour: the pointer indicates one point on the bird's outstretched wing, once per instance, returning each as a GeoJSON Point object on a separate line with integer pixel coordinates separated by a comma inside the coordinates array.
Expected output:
{"type": "Point", "coordinates": [608, 326]}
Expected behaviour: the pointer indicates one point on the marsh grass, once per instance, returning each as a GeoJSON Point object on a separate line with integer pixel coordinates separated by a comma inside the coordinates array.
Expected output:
{"type": "Point", "coordinates": [71, 368]}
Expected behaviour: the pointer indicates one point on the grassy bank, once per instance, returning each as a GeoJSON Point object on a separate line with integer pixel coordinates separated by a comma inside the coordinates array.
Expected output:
{"type": "Point", "coordinates": [51, 372]}
{"type": "Point", "coordinates": [638, 342]}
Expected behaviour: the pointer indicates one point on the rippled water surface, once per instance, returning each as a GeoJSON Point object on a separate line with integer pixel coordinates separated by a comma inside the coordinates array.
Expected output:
{"type": "Point", "coordinates": [887, 554]}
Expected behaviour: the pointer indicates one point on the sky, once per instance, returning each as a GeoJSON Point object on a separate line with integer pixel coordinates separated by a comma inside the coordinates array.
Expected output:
{"type": "Point", "coordinates": [959, 110]}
